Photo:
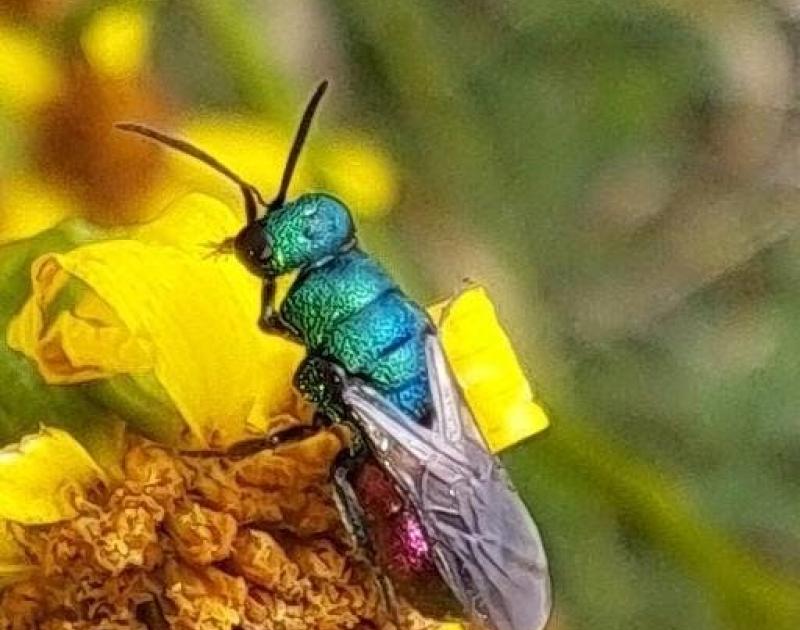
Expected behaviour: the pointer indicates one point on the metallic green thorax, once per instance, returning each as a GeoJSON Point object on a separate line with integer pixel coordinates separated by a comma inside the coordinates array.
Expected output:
{"type": "Point", "coordinates": [306, 231]}
{"type": "Point", "coordinates": [343, 306]}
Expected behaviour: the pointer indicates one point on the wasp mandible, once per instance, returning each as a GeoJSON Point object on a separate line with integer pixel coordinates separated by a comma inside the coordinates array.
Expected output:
{"type": "Point", "coordinates": [418, 489]}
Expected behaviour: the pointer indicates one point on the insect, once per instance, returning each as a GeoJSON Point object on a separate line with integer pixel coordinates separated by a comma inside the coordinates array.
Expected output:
{"type": "Point", "coordinates": [417, 489]}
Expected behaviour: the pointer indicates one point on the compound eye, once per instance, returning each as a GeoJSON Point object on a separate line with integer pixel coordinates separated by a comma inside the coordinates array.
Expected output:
{"type": "Point", "coordinates": [252, 247]}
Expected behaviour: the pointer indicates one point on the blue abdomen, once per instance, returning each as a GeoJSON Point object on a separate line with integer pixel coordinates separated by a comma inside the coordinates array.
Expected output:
{"type": "Point", "coordinates": [350, 311]}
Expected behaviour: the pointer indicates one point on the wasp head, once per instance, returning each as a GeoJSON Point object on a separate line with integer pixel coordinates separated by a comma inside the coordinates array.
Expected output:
{"type": "Point", "coordinates": [303, 232]}
{"type": "Point", "coordinates": [252, 247]}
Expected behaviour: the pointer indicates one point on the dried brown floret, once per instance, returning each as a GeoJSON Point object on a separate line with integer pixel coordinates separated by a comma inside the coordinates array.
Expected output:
{"type": "Point", "coordinates": [210, 542]}
{"type": "Point", "coordinates": [320, 559]}
{"type": "Point", "coordinates": [125, 535]}
{"type": "Point", "coordinates": [201, 535]}
{"type": "Point", "coordinates": [207, 598]}
{"type": "Point", "coordinates": [259, 558]}
{"type": "Point", "coordinates": [156, 472]}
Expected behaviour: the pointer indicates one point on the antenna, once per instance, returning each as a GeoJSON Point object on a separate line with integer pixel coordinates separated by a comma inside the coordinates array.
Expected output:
{"type": "Point", "coordinates": [252, 198]}
{"type": "Point", "coordinates": [297, 145]}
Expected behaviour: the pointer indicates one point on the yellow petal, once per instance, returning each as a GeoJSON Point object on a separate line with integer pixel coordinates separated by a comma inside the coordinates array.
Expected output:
{"type": "Point", "coordinates": [487, 369]}
{"type": "Point", "coordinates": [66, 349]}
{"type": "Point", "coordinates": [42, 475]}
{"type": "Point", "coordinates": [116, 40]}
{"type": "Point", "coordinates": [160, 311]}
{"type": "Point", "coordinates": [31, 79]}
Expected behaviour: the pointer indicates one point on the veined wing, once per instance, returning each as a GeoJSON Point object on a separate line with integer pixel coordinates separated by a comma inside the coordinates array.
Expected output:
{"type": "Point", "coordinates": [487, 546]}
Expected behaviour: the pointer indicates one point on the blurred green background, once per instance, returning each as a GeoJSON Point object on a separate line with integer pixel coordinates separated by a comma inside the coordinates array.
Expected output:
{"type": "Point", "coordinates": [621, 175]}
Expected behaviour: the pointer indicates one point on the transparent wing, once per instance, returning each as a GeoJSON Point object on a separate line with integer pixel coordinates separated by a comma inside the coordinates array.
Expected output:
{"type": "Point", "coordinates": [487, 546]}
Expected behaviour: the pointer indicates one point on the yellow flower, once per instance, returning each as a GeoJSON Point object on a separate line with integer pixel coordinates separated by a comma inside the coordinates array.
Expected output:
{"type": "Point", "coordinates": [347, 164]}
{"type": "Point", "coordinates": [109, 193]}
{"type": "Point", "coordinates": [148, 329]}
{"type": "Point", "coordinates": [166, 338]}
{"type": "Point", "coordinates": [60, 103]}
{"type": "Point", "coordinates": [116, 41]}
{"type": "Point", "coordinates": [207, 537]}
{"type": "Point", "coordinates": [112, 179]}
{"type": "Point", "coordinates": [360, 172]}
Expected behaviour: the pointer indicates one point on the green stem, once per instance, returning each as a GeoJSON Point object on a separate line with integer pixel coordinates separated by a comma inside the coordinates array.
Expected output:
{"type": "Point", "coordinates": [748, 593]}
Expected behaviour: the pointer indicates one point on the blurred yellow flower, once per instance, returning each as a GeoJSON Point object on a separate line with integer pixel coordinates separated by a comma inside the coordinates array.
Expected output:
{"type": "Point", "coordinates": [346, 164]}
{"type": "Point", "coordinates": [30, 75]}
{"type": "Point", "coordinates": [355, 170]}
{"type": "Point", "coordinates": [68, 99]}
{"type": "Point", "coordinates": [361, 173]}
{"type": "Point", "coordinates": [39, 206]}
{"type": "Point", "coordinates": [116, 41]}
{"type": "Point", "coordinates": [77, 158]}
{"type": "Point", "coordinates": [254, 149]}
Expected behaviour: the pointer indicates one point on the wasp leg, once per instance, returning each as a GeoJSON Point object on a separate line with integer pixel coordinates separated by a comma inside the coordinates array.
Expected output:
{"type": "Point", "coordinates": [344, 466]}
{"type": "Point", "coordinates": [252, 446]}
{"type": "Point", "coordinates": [352, 514]}
{"type": "Point", "coordinates": [354, 519]}
{"type": "Point", "coordinates": [269, 319]}
{"type": "Point", "coordinates": [294, 433]}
